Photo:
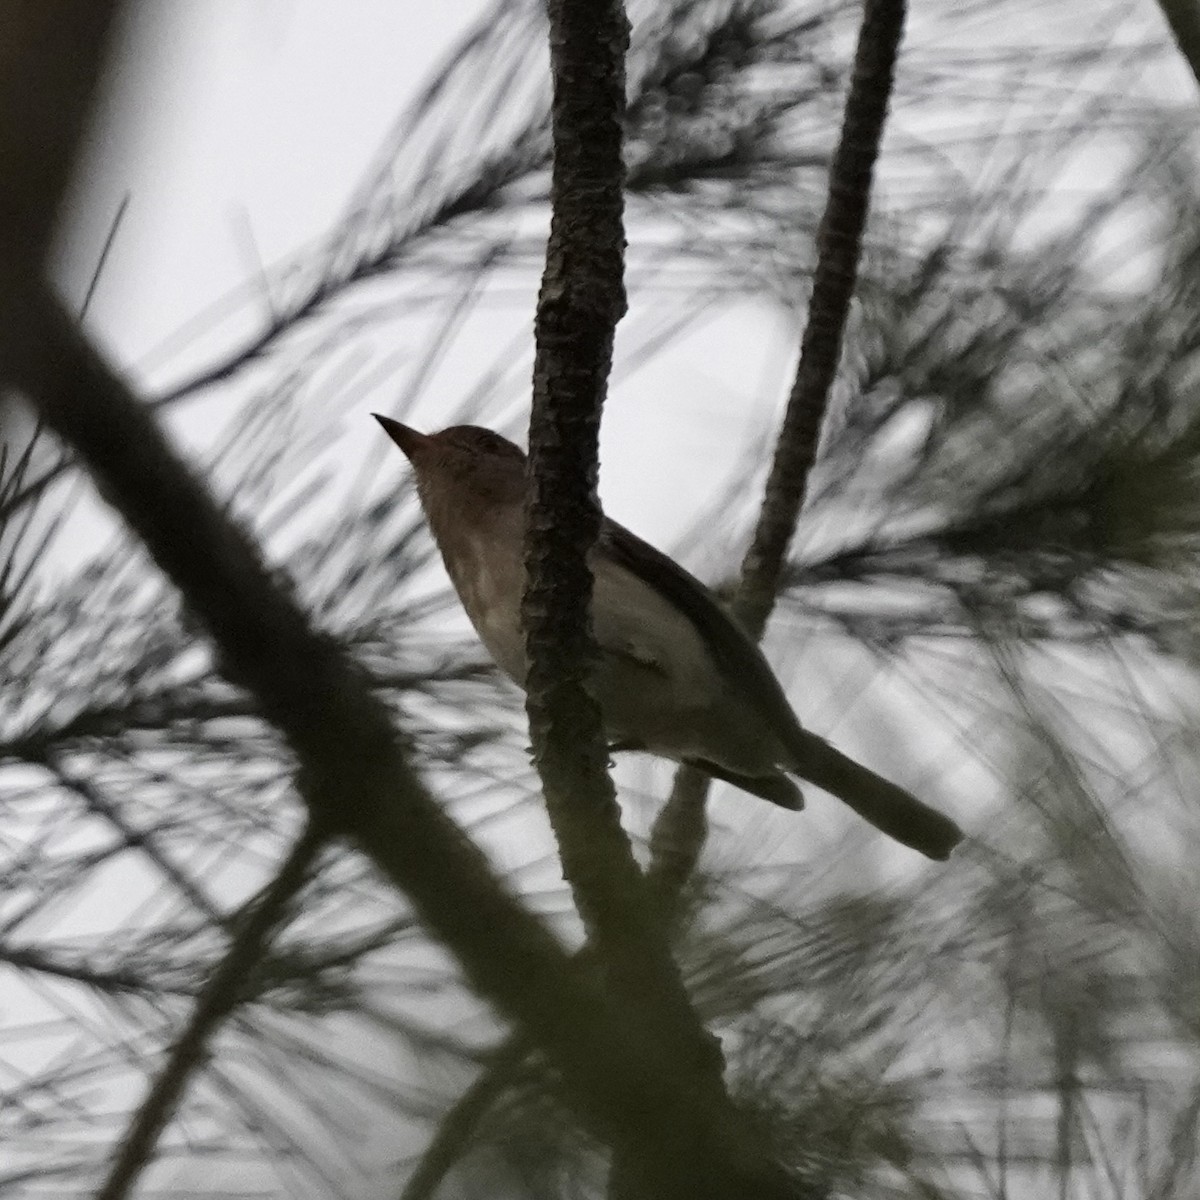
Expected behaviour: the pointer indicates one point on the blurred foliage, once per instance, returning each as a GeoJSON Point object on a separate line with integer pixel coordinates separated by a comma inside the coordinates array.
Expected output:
{"type": "Point", "coordinates": [993, 587]}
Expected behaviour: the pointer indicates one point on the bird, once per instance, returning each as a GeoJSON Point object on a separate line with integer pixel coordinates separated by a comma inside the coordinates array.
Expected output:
{"type": "Point", "coordinates": [677, 676]}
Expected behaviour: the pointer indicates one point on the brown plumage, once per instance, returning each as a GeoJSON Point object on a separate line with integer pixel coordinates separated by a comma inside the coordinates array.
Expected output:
{"type": "Point", "coordinates": [677, 677]}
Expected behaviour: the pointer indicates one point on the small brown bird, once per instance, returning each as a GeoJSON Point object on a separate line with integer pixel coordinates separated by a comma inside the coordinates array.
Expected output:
{"type": "Point", "coordinates": [677, 676]}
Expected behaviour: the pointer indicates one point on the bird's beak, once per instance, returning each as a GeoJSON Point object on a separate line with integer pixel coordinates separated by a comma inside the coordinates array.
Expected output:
{"type": "Point", "coordinates": [409, 440]}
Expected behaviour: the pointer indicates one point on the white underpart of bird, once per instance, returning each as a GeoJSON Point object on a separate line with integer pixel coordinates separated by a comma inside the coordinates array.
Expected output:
{"type": "Point", "coordinates": [677, 676]}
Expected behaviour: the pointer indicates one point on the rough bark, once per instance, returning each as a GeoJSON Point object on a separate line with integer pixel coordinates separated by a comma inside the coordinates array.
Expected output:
{"type": "Point", "coordinates": [581, 299]}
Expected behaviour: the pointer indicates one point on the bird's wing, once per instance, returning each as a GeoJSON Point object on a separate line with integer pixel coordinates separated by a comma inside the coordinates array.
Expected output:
{"type": "Point", "coordinates": [737, 658]}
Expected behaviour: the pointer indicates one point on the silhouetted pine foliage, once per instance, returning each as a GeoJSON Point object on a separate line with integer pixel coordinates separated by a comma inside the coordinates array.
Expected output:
{"type": "Point", "coordinates": [992, 592]}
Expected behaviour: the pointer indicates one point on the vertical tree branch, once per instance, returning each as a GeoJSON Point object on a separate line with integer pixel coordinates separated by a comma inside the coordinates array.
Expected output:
{"type": "Point", "coordinates": [677, 840]}
{"type": "Point", "coordinates": [582, 297]}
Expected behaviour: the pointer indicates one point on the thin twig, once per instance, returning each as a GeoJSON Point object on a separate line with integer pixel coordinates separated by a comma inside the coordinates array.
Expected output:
{"type": "Point", "coordinates": [110, 241]}
{"type": "Point", "coordinates": [111, 981]}
{"type": "Point", "coordinates": [839, 243]}
{"type": "Point", "coordinates": [456, 1129]}
{"type": "Point", "coordinates": [223, 991]}
{"type": "Point", "coordinates": [145, 840]}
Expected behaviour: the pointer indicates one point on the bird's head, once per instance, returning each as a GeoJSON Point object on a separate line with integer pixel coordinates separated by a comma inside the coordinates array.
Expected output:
{"type": "Point", "coordinates": [461, 464]}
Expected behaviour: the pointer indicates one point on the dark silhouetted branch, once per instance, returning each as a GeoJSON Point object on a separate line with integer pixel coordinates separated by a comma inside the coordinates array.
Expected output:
{"type": "Point", "coordinates": [111, 981]}
{"type": "Point", "coordinates": [1183, 16]}
{"type": "Point", "coordinates": [581, 299]}
{"type": "Point", "coordinates": [52, 61]}
{"type": "Point", "coordinates": [456, 1131]}
{"type": "Point", "coordinates": [356, 779]}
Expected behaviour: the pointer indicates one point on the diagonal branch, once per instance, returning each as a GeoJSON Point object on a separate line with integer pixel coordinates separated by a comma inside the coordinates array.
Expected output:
{"type": "Point", "coordinates": [355, 776]}
{"type": "Point", "coordinates": [50, 66]}
{"type": "Point", "coordinates": [839, 244]}
{"type": "Point", "coordinates": [457, 1128]}
{"type": "Point", "coordinates": [679, 833]}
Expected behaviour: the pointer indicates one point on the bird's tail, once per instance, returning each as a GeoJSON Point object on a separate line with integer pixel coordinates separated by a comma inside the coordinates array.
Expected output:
{"type": "Point", "coordinates": [888, 807]}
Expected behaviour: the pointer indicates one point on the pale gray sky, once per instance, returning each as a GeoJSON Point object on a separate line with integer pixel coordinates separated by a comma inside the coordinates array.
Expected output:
{"type": "Point", "coordinates": [228, 121]}
{"type": "Point", "coordinates": [240, 129]}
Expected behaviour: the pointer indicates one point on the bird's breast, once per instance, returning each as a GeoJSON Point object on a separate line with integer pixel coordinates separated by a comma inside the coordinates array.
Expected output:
{"type": "Point", "coordinates": [489, 585]}
{"type": "Point", "coordinates": [657, 681]}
